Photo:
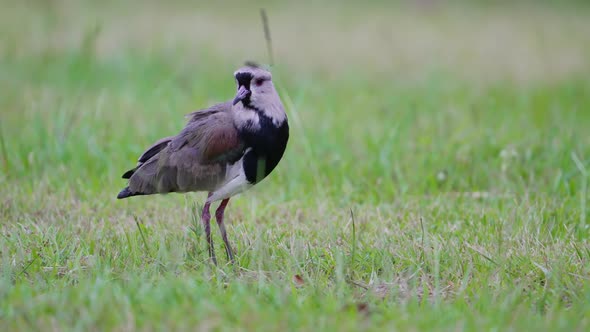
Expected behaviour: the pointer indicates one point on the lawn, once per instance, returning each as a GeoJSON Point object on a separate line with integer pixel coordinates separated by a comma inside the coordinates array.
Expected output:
{"type": "Point", "coordinates": [436, 176]}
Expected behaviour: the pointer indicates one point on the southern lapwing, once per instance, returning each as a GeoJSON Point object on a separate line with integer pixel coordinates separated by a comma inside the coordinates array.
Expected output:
{"type": "Point", "coordinates": [224, 150]}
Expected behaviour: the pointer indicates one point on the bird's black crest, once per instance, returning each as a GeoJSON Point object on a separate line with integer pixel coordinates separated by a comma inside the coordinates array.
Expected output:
{"type": "Point", "coordinates": [253, 64]}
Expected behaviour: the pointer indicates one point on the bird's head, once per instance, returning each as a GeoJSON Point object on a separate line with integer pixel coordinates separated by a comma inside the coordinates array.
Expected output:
{"type": "Point", "coordinates": [255, 87]}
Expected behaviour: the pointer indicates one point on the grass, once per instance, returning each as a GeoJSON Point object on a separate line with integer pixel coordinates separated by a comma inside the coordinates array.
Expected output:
{"type": "Point", "coordinates": [436, 177]}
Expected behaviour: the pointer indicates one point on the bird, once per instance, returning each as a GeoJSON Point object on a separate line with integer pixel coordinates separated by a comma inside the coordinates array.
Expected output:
{"type": "Point", "coordinates": [223, 150]}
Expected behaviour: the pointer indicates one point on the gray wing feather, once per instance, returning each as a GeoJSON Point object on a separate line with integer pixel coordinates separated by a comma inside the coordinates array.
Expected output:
{"type": "Point", "coordinates": [149, 153]}
{"type": "Point", "coordinates": [155, 149]}
{"type": "Point", "coordinates": [195, 159]}
{"type": "Point", "coordinates": [200, 114]}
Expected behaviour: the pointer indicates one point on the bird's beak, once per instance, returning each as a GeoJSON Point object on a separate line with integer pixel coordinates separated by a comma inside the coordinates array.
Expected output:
{"type": "Point", "coordinates": [242, 93]}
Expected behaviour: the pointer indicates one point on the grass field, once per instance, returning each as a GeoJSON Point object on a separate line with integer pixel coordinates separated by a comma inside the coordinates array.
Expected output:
{"type": "Point", "coordinates": [436, 177]}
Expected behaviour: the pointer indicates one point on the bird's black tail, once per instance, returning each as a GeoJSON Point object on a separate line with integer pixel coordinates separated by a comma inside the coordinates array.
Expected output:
{"type": "Point", "coordinates": [127, 193]}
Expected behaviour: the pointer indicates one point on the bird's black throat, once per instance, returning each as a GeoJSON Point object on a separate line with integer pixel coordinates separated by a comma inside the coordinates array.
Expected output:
{"type": "Point", "coordinates": [268, 144]}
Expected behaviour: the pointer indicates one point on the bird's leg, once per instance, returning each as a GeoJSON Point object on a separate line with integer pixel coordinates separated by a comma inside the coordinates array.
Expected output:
{"type": "Point", "coordinates": [206, 218]}
{"type": "Point", "coordinates": [219, 216]}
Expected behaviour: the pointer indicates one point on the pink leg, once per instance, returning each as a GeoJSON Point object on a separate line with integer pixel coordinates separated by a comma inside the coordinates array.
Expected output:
{"type": "Point", "coordinates": [206, 218]}
{"type": "Point", "coordinates": [219, 216]}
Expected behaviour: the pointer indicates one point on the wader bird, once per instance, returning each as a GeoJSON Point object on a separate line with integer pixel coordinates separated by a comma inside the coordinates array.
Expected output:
{"type": "Point", "coordinates": [224, 150]}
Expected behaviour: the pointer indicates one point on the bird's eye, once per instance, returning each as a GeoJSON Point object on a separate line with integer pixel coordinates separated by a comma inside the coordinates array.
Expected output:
{"type": "Point", "coordinates": [259, 82]}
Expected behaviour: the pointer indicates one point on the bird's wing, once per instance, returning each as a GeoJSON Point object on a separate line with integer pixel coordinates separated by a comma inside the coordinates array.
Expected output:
{"type": "Point", "coordinates": [195, 159]}
{"type": "Point", "coordinates": [214, 138]}
{"type": "Point", "coordinates": [200, 114]}
{"type": "Point", "coordinates": [149, 153]}
{"type": "Point", "coordinates": [155, 149]}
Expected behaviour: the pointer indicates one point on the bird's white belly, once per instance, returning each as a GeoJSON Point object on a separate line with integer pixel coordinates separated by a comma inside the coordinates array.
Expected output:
{"type": "Point", "coordinates": [235, 182]}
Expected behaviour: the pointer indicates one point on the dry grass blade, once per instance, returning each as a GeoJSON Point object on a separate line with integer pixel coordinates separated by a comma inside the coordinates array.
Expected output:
{"type": "Point", "coordinates": [422, 249]}
{"type": "Point", "coordinates": [482, 254]}
{"type": "Point", "coordinates": [26, 267]}
{"type": "Point", "coordinates": [266, 28]}
{"type": "Point", "coordinates": [352, 255]}
{"type": "Point", "coordinates": [139, 226]}
{"type": "Point", "coordinates": [3, 151]}
{"type": "Point", "coordinates": [584, 188]}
